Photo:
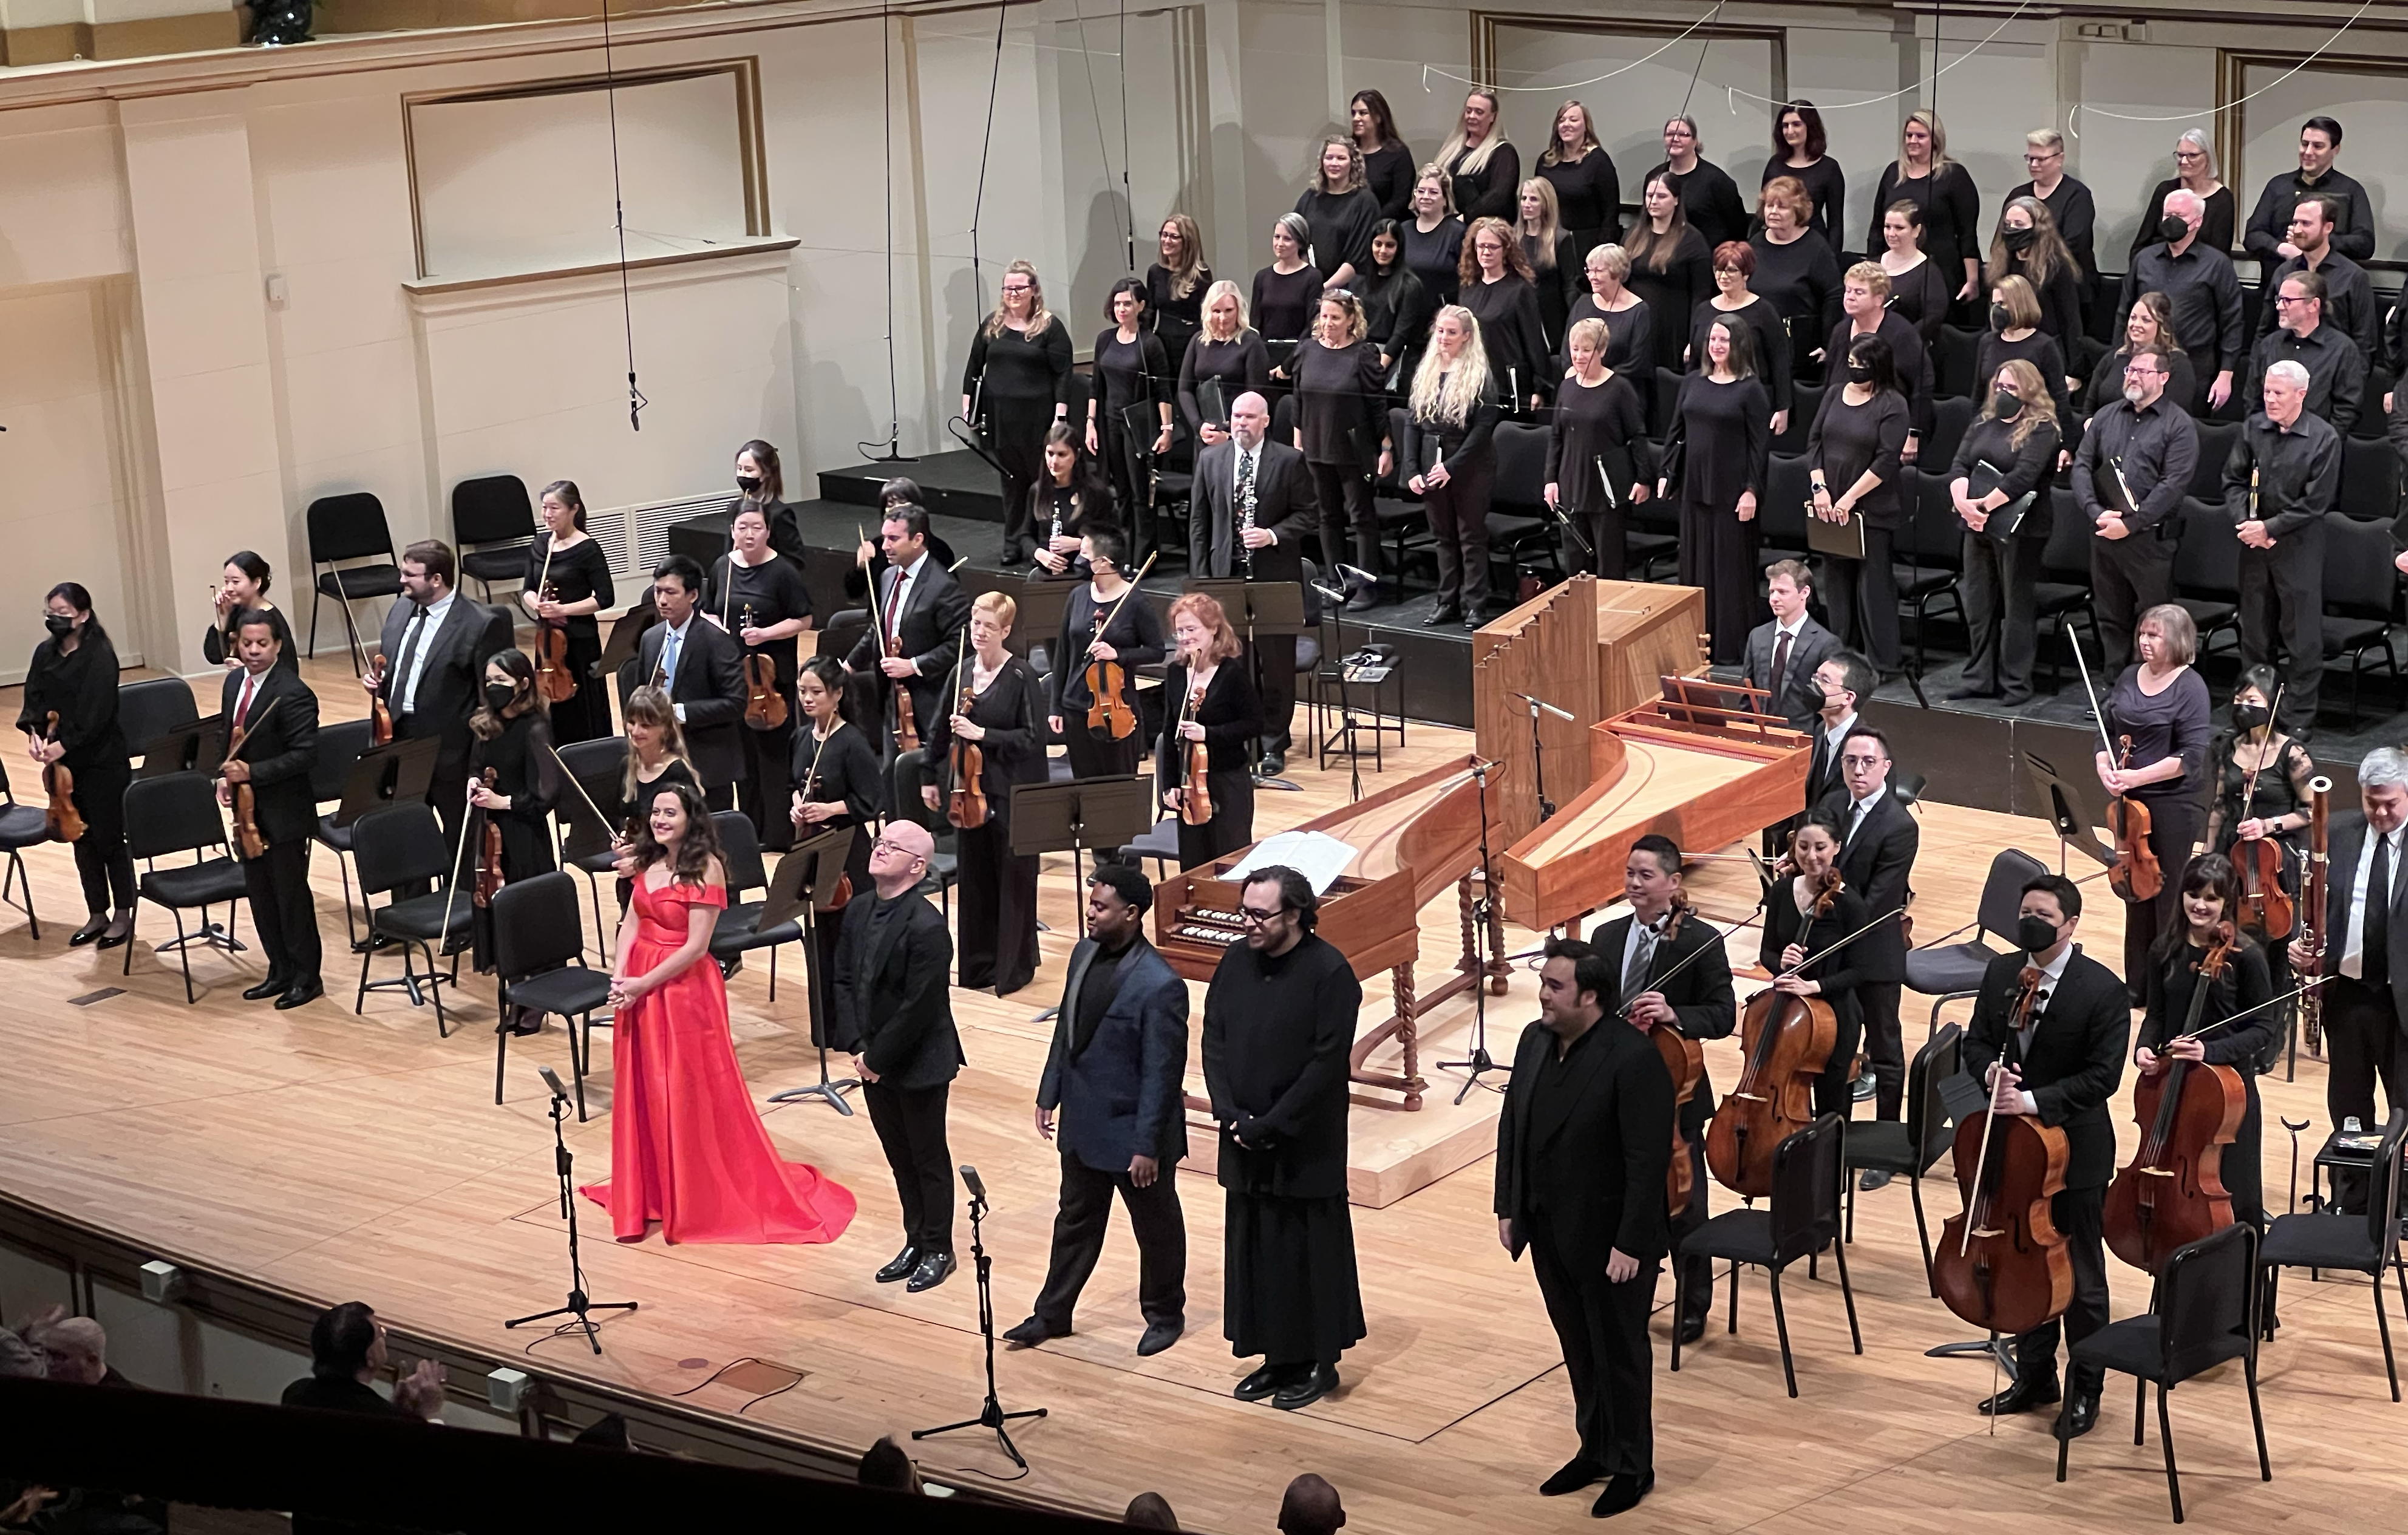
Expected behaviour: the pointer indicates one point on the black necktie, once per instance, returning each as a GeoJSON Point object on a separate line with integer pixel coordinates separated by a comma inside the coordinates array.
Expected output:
{"type": "Point", "coordinates": [2375, 961]}
{"type": "Point", "coordinates": [399, 691]}
{"type": "Point", "coordinates": [1779, 669]}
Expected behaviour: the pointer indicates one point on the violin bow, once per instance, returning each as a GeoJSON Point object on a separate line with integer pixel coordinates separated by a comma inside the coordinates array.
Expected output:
{"type": "Point", "coordinates": [452, 891]}
{"type": "Point", "coordinates": [2098, 715]}
{"type": "Point", "coordinates": [2301, 990]}
{"type": "Point", "coordinates": [2274, 714]}
{"type": "Point", "coordinates": [1889, 915]}
{"type": "Point", "coordinates": [573, 784]}
{"type": "Point", "coordinates": [1105, 620]}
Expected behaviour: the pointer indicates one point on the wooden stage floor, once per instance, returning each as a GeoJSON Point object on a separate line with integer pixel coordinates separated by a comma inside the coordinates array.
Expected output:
{"type": "Point", "coordinates": [359, 1156]}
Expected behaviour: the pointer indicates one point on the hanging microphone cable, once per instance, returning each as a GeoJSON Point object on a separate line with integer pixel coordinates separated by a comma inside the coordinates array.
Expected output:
{"type": "Point", "coordinates": [1701, 59]}
{"type": "Point", "coordinates": [986, 149]}
{"type": "Point", "coordinates": [893, 444]}
{"type": "Point", "coordinates": [1128, 196]}
{"type": "Point", "coordinates": [636, 401]}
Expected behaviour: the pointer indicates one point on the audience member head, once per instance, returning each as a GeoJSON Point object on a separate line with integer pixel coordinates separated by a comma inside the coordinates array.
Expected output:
{"type": "Point", "coordinates": [885, 1467]}
{"type": "Point", "coordinates": [1311, 1507]}
{"type": "Point", "coordinates": [1150, 1511]}
{"type": "Point", "coordinates": [74, 1348]}
{"type": "Point", "coordinates": [347, 1344]}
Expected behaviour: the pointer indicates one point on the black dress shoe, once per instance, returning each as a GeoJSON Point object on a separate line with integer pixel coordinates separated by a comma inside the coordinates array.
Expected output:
{"type": "Point", "coordinates": [1874, 1178]}
{"type": "Point", "coordinates": [1578, 1472]}
{"type": "Point", "coordinates": [1262, 1383]}
{"type": "Point", "coordinates": [119, 933]}
{"type": "Point", "coordinates": [1692, 1328]}
{"type": "Point", "coordinates": [275, 985]}
{"type": "Point", "coordinates": [527, 1022]}
{"type": "Point", "coordinates": [1307, 1389]}
{"type": "Point", "coordinates": [89, 930]}
{"type": "Point", "coordinates": [1474, 616]}
{"type": "Point", "coordinates": [900, 1266]}
{"type": "Point", "coordinates": [1033, 1332]}
{"type": "Point", "coordinates": [2021, 1397]}
{"type": "Point", "coordinates": [2015, 697]}
{"type": "Point", "coordinates": [933, 1271]}
{"type": "Point", "coordinates": [2081, 1415]}
{"type": "Point", "coordinates": [1160, 1336]}
{"type": "Point", "coordinates": [1011, 555]}
{"type": "Point", "coordinates": [1621, 1495]}
{"type": "Point", "coordinates": [1272, 764]}
{"type": "Point", "coordinates": [300, 995]}
{"type": "Point", "coordinates": [1443, 615]}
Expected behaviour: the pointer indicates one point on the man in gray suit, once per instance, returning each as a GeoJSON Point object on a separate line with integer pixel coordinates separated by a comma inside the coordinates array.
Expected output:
{"type": "Point", "coordinates": [1120, 1052]}
{"type": "Point", "coordinates": [432, 672]}
{"type": "Point", "coordinates": [1248, 465]}
{"type": "Point", "coordinates": [1781, 655]}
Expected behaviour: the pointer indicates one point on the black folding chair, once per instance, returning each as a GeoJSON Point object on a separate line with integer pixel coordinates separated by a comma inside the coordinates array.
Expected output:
{"type": "Point", "coordinates": [1948, 971]}
{"type": "Point", "coordinates": [1802, 1218]}
{"type": "Point", "coordinates": [2366, 1244]}
{"type": "Point", "coordinates": [22, 827]}
{"type": "Point", "coordinates": [2361, 600]}
{"type": "Point", "coordinates": [1912, 1146]}
{"type": "Point", "coordinates": [2207, 571]}
{"type": "Point", "coordinates": [738, 929]}
{"type": "Point", "coordinates": [597, 765]}
{"type": "Point", "coordinates": [492, 522]}
{"type": "Point", "coordinates": [339, 747]}
{"type": "Point", "coordinates": [148, 709]}
{"type": "Point", "coordinates": [177, 813]}
{"type": "Point", "coordinates": [403, 846]}
{"type": "Point", "coordinates": [350, 528]}
{"type": "Point", "coordinates": [2203, 1315]}
{"type": "Point", "coordinates": [540, 965]}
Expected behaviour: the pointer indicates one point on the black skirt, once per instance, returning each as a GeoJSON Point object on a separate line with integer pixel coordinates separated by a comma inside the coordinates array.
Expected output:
{"type": "Point", "coordinates": [1291, 1292]}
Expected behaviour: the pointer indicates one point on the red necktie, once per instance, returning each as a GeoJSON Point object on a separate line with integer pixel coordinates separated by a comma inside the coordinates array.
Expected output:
{"type": "Point", "coordinates": [242, 710]}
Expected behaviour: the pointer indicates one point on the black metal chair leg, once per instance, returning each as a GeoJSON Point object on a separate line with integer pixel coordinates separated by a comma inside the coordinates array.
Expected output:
{"type": "Point", "coordinates": [2382, 1325]}
{"type": "Point", "coordinates": [1848, 1231]}
{"type": "Point", "coordinates": [184, 962]}
{"type": "Point", "coordinates": [2165, 1436]}
{"type": "Point", "coordinates": [1780, 1325]}
{"type": "Point", "coordinates": [2257, 1418]}
{"type": "Point", "coordinates": [1680, 1287]}
{"type": "Point", "coordinates": [502, 1049]}
{"type": "Point", "coordinates": [2140, 1409]}
{"type": "Point", "coordinates": [1732, 1327]}
{"type": "Point", "coordinates": [360, 1000]}
{"type": "Point", "coordinates": [435, 988]}
{"type": "Point", "coordinates": [1848, 1294]}
{"type": "Point", "coordinates": [1923, 1232]}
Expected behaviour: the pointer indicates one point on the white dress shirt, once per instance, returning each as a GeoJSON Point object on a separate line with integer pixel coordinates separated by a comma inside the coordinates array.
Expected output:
{"type": "Point", "coordinates": [673, 643]}
{"type": "Point", "coordinates": [2052, 973]}
{"type": "Point", "coordinates": [1859, 808]}
{"type": "Point", "coordinates": [1643, 936]}
{"type": "Point", "coordinates": [436, 613]}
{"type": "Point", "coordinates": [2353, 948]}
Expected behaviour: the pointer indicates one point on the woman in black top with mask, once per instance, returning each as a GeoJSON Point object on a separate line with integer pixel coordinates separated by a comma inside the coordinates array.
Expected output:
{"type": "Point", "coordinates": [1135, 372]}
{"type": "Point", "coordinates": [1852, 458]}
{"type": "Point", "coordinates": [73, 674]}
{"type": "Point", "coordinates": [997, 887]}
{"type": "Point", "coordinates": [1387, 163]}
{"type": "Point", "coordinates": [2210, 896]}
{"type": "Point", "coordinates": [2260, 784]}
{"type": "Point", "coordinates": [760, 476]}
{"type": "Point", "coordinates": [2001, 472]}
{"type": "Point", "coordinates": [1132, 636]}
{"type": "Point", "coordinates": [1017, 382]}
{"type": "Point", "coordinates": [2014, 335]}
{"type": "Point", "coordinates": [2028, 245]}
{"type": "Point", "coordinates": [1175, 288]}
{"type": "Point", "coordinates": [568, 578]}
{"type": "Point", "coordinates": [243, 589]}
{"type": "Point", "coordinates": [511, 734]}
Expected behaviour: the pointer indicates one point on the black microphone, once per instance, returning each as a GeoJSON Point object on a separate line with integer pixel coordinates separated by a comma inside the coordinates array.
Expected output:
{"type": "Point", "coordinates": [973, 1182]}
{"type": "Point", "coordinates": [551, 1080]}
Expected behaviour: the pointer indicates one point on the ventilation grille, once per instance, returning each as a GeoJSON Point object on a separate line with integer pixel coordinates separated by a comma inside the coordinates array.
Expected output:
{"type": "Point", "coordinates": [637, 538]}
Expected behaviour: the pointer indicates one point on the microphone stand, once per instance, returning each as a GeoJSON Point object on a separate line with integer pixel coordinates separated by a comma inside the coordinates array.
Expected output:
{"type": "Point", "coordinates": [1347, 724]}
{"type": "Point", "coordinates": [990, 1412]}
{"type": "Point", "coordinates": [578, 1305]}
{"type": "Point", "coordinates": [1539, 751]}
{"type": "Point", "coordinates": [1479, 1061]}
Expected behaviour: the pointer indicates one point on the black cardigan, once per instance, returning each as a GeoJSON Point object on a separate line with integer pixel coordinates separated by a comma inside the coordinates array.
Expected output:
{"type": "Point", "coordinates": [83, 687]}
{"type": "Point", "coordinates": [1232, 717]}
{"type": "Point", "coordinates": [1013, 749]}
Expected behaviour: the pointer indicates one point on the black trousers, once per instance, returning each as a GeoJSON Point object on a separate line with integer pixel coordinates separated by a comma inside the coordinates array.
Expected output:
{"type": "Point", "coordinates": [1607, 1352]}
{"type": "Point", "coordinates": [1863, 599]}
{"type": "Point", "coordinates": [1232, 826]}
{"type": "Point", "coordinates": [2363, 1045]}
{"type": "Point", "coordinates": [2002, 611]}
{"type": "Point", "coordinates": [1833, 1091]}
{"type": "Point", "coordinates": [1098, 754]}
{"type": "Point", "coordinates": [1018, 428]}
{"type": "Point", "coordinates": [2283, 601]}
{"type": "Point", "coordinates": [101, 863]}
{"type": "Point", "coordinates": [1079, 1224]}
{"type": "Point", "coordinates": [2243, 1161]}
{"type": "Point", "coordinates": [1697, 1274]}
{"type": "Point", "coordinates": [2175, 822]}
{"type": "Point", "coordinates": [1276, 654]}
{"type": "Point", "coordinates": [2129, 576]}
{"type": "Point", "coordinates": [998, 893]}
{"type": "Point", "coordinates": [911, 1126]}
{"type": "Point", "coordinates": [1608, 554]}
{"type": "Point", "coordinates": [281, 908]}
{"type": "Point", "coordinates": [1458, 519]}
{"type": "Point", "coordinates": [1344, 496]}
{"type": "Point", "coordinates": [1885, 1046]}
{"type": "Point", "coordinates": [767, 790]}
{"type": "Point", "coordinates": [2077, 1213]}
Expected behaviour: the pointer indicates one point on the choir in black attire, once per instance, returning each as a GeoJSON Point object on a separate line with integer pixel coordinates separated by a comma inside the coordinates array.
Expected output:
{"type": "Point", "coordinates": [761, 596]}
{"type": "Point", "coordinates": [1601, 434]}
{"type": "Point", "coordinates": [1238, 364]}
{"type": "Point", "coordinates": [580, 572]}
{"type": "Point", "coordinates": [996, 888]}
{"type": "Point", "coordinates": [1718, 451]}
{"type": "Point", "coordinates": [81, 684]}
{"type": "Point", "coordinates": [1134, 374]}
{"type": "Point", "coordinates": [1018, 381]}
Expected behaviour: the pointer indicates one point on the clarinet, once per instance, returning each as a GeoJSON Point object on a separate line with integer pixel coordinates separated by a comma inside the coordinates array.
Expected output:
{"type": "Point", "coordinates": [1246, 525]}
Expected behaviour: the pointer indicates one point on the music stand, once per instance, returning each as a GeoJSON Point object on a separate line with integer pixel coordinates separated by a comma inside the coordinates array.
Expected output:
{"type": "Point", "coordinates": [1038, 617]}
{"type": "Point", "coordinates": [625, 635]}
{"type": "Point", "coordinates": [1259, 608]}
{"type": "Point", "coordinates": [803, 887]}
{"type": "Point", "coordinates": [2076, 806]}
{"type": "Point", "coordinates": [1082, 813]}
{"type": "Point", "coordinates": [185, 749]}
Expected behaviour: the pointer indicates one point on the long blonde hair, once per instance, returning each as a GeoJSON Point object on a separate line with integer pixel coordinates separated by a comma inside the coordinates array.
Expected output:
{"type": "Point", "coordinates": [1039, 317]}
{"type": "Point", "coordinates": [1213, 296]}
{"type": "Point", "coordinates": [2030, 387]}
{"type": "Point", "coordinates": [1551, 221]}
{"type": "Point", "coordinates": [1477, 161]}
{"type": "Point", "coordinates": [650, 706]}
{"type": "Point", "coordinates": [1931, 121]}
{"type": "Point", "coordinates": [1191, 255]}
{"type": "Point", "coordinates": [1444, 394]}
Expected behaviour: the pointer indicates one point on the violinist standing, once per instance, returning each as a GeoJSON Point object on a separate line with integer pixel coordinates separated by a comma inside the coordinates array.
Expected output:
{"type": "Point", "coordinates": [1807, 912]}
{"type": "Point", "coordinates": [2210, 893]}
{"type": "Point", "coordinates": [2062, 1068]}
{"type": "Point", "coordinates": [922, 610]}
{"type": "Point", "coordinates": [436, 646]}
{"type": "Point", "coordinates": [837, 784]}
{"type": "Point", "coordinates": [1208, 676]}
{"type": "Point", "coordinates": [702, 671]}
{"type": "Point", "coordinates": [512, 731]}
{"type": "Point", "coordinates": [1582, 1144]}
{"type": "Point", "coordinates": [278, 714]}
{"type": "Point", "coordinates": [73, 674]}
{"type": "Point", "coordinates": [2262, 797]}
{"type": "Point", "coordinates": [997, 887]}
{"type": "Point", "coordinates": [1879, 841]}
{"type": "Point", "coordinates": [755, 594]}
{"type": "Point", "coordinates": [1662, 933]}
{"type": "Point", "coordinates": [568, 580]}
{"type": "Point", "coordinates": [2161, 704]}
{"type": "Point", "coordinates": [1132, 638]}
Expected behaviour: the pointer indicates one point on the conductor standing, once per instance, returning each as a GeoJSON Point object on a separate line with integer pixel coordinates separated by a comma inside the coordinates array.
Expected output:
{"type": "Point", "coordinates": [1581, 1149]}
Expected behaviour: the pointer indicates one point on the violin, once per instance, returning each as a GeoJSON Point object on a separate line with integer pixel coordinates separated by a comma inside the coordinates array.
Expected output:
{"type": "Point", "coordinates": [967, 806]}
{"type": "Point", "coordinates": [488, 855]}
{"type": "Point", "coordinates": [907, 730]}
{"type": "Point", "coordinates": [765, 707]}
{"type": "Point", "coordinates": [1109, 711]}
{"type": "Point", "coordinates": [1787, 1041]}
{"type": "Point", "coordinates": [240, 799]}
{"type": "Point", "coordinates": [1195, 793]}
{"type": "Point", "coordinates": [1684, 1060]}
{"type": "Point", "coordinates": [2002, 1263]}
{"type": "Point", "coordinates": [2135, 875]}
{"type": "Point", "coordinates": [2172, 1191]}
{"type": "Point", "coordinates": [380, 713]}
{"type": "Point", "coordinates": [553, 677]}
{"type": "Point", "coordinates": [2264, 907]}
{"type": "Point", "coordinates": [60, 817]}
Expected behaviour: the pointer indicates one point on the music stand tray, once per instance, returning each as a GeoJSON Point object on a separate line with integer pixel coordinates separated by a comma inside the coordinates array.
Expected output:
{"type": "Point", "coordinates": [800, 890]}
{"type": "Point", "coordinates": [1258, 607]}
{"type": "Point", "coordinates": [394, 773]}
{"type": "Point", "coordinates": [197, 747]}
{"type": "Point", "coordinates": [2075, 804]}
{"type": "Point", "coordinates": [1082, 813]}
{"type": "Point", "coordinates": [625, 635]}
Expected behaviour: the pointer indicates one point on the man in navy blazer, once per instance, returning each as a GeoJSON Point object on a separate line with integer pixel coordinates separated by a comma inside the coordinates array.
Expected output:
{"type": "Point", "coordinates": [1119, 1058]}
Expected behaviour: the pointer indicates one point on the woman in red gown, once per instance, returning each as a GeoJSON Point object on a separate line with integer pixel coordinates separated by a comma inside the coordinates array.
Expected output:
{"type": "Point", "coordinates": [687, 1148]}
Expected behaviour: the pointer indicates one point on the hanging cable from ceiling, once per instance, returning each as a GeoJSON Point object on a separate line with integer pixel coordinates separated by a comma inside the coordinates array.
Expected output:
{"type": "Point", "coordinates": [892, 445]}
{"type": "Point", "coordinates": [636, 401]}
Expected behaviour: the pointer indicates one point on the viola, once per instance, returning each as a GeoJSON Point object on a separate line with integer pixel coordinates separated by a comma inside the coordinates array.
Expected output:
{"type": "Point", "coordinates": [1194, 793]}
{"type": "Point", "coordinates": [1684, 1060]}
{"type": "Point", "coordinates": [2172, 1191]}
{"type": "Point", "coordinates": [1787, 1041]}
{"type": "Point", "coordinates": [2002, 1263]}
{"type": "Point", "coordinates": [553, 677]}
{"type": "Point", "coordinates": [2135, 875]}
{"type": "Point", "coordinates": [60, 817]}
{"type": "Point", "coordinates": [380, 714]}
{"type": "Point", "coordinates": [764, 706]}
{"type": "Point", "coordinates": [488, 855]}
{"type": "Point", "coordinates": [2265, 908]}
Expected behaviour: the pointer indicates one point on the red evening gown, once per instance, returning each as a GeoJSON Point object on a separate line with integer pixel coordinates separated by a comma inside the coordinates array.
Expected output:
{"type": "Point", "coordinates": [687, 1148]}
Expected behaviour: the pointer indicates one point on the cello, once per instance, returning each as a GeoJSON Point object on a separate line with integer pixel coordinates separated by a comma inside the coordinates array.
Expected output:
{"type": "Point", "coordinates": [2172, 1191]}
{"type": "Point", "coordinates": [1786, 1042]}
{"type": "Point", "coordinates": [2135, 875]}
{"type": "Point", "coordinates": [60, 817]}
{"type": "Point", "coordinates": [967, 806]}
{"type": "Point", "coordinates": [2002, 1263]}
{"type": "Point", "coordinates": [1685, 1060]}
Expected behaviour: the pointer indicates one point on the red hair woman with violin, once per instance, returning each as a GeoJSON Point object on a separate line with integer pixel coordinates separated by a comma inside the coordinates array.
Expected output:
{"type": "Point", "coordinates": [1807, 913]}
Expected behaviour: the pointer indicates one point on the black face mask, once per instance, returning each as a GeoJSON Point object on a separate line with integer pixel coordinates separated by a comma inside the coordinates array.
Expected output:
{"type": "Point", "coordinates": [498, 695]}
{"type": "Point", "coordinates": [749, 484]}
{"type": "Point", "coordinates": [58, 624]}
{"type": "Point", "coordinates": [2035, 934]}
{"type": "Point", "coordinates": [2001, 318]}
{"type": "Point", "coordinates": [2173, 226]}
{"type": "Point", "coordinates": [1859, 373]}
{"type": "Point", "coordinates": [2019, 239]}
{"type": "Point", "coordinates": [2250, 716]}
{"type": "Point", "coordinates": [2006, 407]}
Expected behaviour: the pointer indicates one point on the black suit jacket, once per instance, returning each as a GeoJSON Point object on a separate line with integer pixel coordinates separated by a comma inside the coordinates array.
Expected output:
{"type": "Point", "coordinates": [1823, 768]}
{"type": "Point", "coordinates": [1877, 863]}
{"type": "Point", "coordinates": [1800, 701]}
{"type": "Point", "coordinates": [710, 682]}
{"type": "Point", "coordinates": [1595, 1159]}
{"type": "Point", "coordinates": [1704, 1006]}
{"type": "Point", "coordinates": [890, 989]}
{"type": "Point", "coordinates": [1118, 1086]}
{"type": "Point", "coordinates": [1284, 502]}
{"type": "Point", "coordinates": [2346, 844]}
{"type": "Point", "coordinates": [934, 613]}
{"type": "Point", "coordinates": [453, 678]}
{"type": "Point", "coordinates": [2076, 1058]}
{"type": "Point", "coordinates": [282, 749]}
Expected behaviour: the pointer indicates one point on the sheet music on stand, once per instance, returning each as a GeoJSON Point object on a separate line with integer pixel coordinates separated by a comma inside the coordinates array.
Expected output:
{"type": "Point", "coordinates": [1318, 856]}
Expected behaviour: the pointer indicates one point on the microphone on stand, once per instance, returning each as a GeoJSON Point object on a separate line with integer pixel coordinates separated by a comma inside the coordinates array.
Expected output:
{"type": "Point", "coordinates": [1541, 703]}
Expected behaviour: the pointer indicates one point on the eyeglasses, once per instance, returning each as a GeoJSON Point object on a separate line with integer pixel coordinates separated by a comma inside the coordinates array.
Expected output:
{"type": "Point", "coordinates": [2140, 370]}
{"type": "Point", "coordinates": [2281, 299]}
{"type": "Point", "coordinates": [1019, 288]}
{"type": "Point", "coordinates": [894, 849]}
{"type": "Point", "coordinates": [2190, 155]}
{"type": "Point", "coordinates": [1255, 917]}
{"type": "Point", "coordinates": [2043, 159]}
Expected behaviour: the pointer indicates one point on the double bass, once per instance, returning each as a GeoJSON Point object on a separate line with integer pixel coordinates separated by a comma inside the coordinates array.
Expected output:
{"type": "Point", "coordinates": [2002, 1263]}
{"type": "Point", "coordinates": [966, 807]}
{"type": "Point", "coordinates": [2172, 1191]}
{"type": "Point", "coordinates": [1787, 1041]}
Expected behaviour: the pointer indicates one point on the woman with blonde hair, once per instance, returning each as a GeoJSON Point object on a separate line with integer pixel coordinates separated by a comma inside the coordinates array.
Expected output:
{"type": "Point", "coordinates": [1553, 256]}
{"type": "Point", "coordinates": [1340, 427]}
{"type": "Point", "coordinates": [1630, 327]}
{"type": "Point", "coordinates": [2150, 323]}
{"type": "Point", "coordinates": [2194, 172]}
{"type": "Point", "coordinates": [2015, 333]}
{"type": "Point", "coordinates": [1339, 210]}
{"type": "Point", "coordinates": [997, 887]}
{"type": "Point", "coordinates": [1481, 166]}
{"type": "Point", "coordinates": [1998, 485]}
{"type": "Point", "coordinates": [1016, 384]}
{"type": "Point", "coordinates": [1952, 208]}
{"type": "Point", "coordinates": [2162, 704]}
{"type": "Point", "coordinates": [1175, 287]}
{"type": "Point", "coordinates": [2028, 245]}
{"type": "Point", "coordinates": [1207, 699]}
{"type": "Point", "coordinates": [1589, 189]}
{"type": "Point", "coordinates": [1598, 459]}
{"type": "Point", "coordinates": [1229, 355]}
{"type": "Point", "coordinates": [1434, 236]}
{"type": "Point", "coordinates": [1450, 461]}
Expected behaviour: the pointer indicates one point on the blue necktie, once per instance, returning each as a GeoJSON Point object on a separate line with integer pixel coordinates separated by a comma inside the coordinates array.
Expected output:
{"type": "Point", "coordinates": [669, 660]}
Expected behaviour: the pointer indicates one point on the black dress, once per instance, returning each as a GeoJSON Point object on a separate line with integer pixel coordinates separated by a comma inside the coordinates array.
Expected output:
{"type": "Point", "coordinates": [1232, 718]}
{"type": "Point", "coordinates": [1588, 199]}
{"type": "Point", "coordinates": [773, 592]}
{"type": "Point", "coordinates": [580, 572]}
{"type": "Point", "coordinates": [1388, 171]}
{"type": "Point", "coordinates": [1133, 374]}
{"type": "Point", "coordinates": [1492, 192]}
{"type": "Point", "coordinates": [1282, 310]}
{"type": "Point", "coordinates": [842, 770]}
{"type": "Point", "coordinates": [2061, 301]}
{"type": "Point", "coordinates": [997, 890]}
{"type": "Point", "coordinates": [1673, 294]}
{"type": "Point", "coordinates": [1717, 449]}
{"type": "Point", "coordinates": [1235, 365]}
{"type": "Point", "coordinates": [1436, 257]}
{"type": "Point", "coordinates": [527, 774]}
{"type": "Point", "coordinates": [1838, 973]}
{"type": "Point", "coordinates": [1844, 443]}
{"type": "Point", "coordinates": [1802, 281]}
{"type": "Point", "coordinates": [1340, 226]}
{"type": "Point", "coordinates": [1014, 382]}
{"type": "Point", "coordinates": [81, 687]}
{"type": "Point", "coordinates": [1952, 217]}
{"type": "Point", "coordinates": [1397, 312]}
{"type": "Point", "coordinates": [1629, 342]}
{"type": "Point", "coordinates": [218, 647]}
{"type": "Point", "coordinates": [2245, 982]}
{"type": "Point", "coordinates": [632, 804]}
{"type": "Point", "coordinates": [1600, 435]}
{"type": "Point", "coordinates": [1135, 632]}
{"type": "Point", "coordinates": [1512, 334]}
{"type": "Point", "coordinates": [1770, 331]}
{"type": "Point", "coordinates": [2174, 724]}
{"type": "Point", "coordinates": [1176, 321]}
{"type": "Point", "coordinates": [1826, 187]}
